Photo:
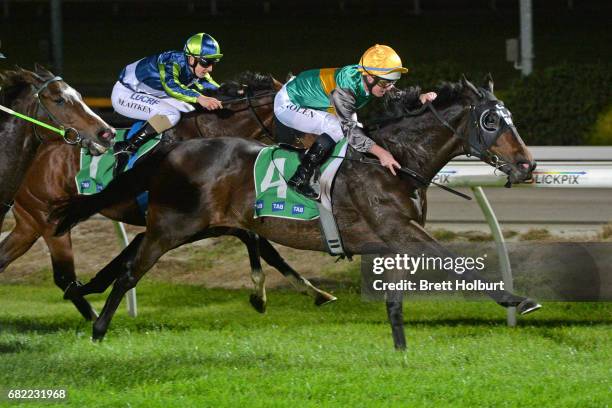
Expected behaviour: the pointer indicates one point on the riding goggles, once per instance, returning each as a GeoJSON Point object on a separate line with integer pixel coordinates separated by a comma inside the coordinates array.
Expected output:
{"type": "Point", "coordinates": [207, 62]}
{"type": "Point", "coordinates": [385, 83]}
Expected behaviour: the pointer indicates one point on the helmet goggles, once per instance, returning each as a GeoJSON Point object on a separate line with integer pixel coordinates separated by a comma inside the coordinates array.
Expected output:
{"type": "Point", "coordinates": [384, 83]}
{"type": "Point", "coordinates": [206, 62]}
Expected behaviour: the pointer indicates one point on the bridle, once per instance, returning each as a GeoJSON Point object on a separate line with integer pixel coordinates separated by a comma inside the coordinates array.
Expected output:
{"type": "Point", "coordinates": [249, 97]}
{"type": "Point", "coordinates": [487, 122]}
{"type": "Point", "coordinates": [40, 105]}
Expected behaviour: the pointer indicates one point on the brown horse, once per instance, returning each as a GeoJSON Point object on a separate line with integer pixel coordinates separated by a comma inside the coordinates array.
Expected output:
{"type": "Point", "coordinates": [47, 98]}
{"type": "Point", "coordinates": [206, 186]}
{"type": "Point", "coordinates": [51, 177]}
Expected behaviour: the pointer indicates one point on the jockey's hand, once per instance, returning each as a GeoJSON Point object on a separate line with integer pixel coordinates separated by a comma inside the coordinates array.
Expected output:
{"type": "Point", "coordinates": [386, 159]}
{"type": "Point", "coordinates": [427, 97]}
{"type": "Point", "coordinates": [209, 103]}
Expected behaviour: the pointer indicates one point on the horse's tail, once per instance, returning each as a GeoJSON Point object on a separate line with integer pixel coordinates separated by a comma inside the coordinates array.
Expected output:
{"type": "Point", "coordinates": [71, 211]}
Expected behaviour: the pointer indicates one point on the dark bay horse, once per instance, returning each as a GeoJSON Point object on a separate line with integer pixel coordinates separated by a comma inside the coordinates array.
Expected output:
{"type": "Point", "coordinates": [51, 177]}
{"type": "Point", "coordinates": [204, 187]}
{"type": "Point", "coordinates": [45, 97]}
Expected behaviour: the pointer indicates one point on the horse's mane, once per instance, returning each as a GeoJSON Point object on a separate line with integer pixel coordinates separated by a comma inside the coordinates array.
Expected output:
{"type": "Point", "coordinates": [12, 83]}
{"type": "Point", "coordinates": [254, 80]}
{"type": "Point", "coordinates": [399, 103]}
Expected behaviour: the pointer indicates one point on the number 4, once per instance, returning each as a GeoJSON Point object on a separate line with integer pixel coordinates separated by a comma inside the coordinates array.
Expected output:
{"type": "Point", "coordinates": [266, 183]}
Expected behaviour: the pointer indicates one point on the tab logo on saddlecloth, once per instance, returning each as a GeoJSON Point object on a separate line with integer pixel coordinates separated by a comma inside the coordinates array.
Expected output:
{"type": "Point", "coordinates": [99, 187]}
{"type": "Point", "coordinates": [278, 206]}
{"type": "Point", "coordinates": [259, 204]}
{"type": "Point", "coordinates": [85, 184]}
{"type": "Point", "coordinates": [297, 209]}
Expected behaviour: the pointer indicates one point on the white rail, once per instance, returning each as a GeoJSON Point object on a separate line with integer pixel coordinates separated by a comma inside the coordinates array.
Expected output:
{"type": "Point", "coordinates": [584, 167]}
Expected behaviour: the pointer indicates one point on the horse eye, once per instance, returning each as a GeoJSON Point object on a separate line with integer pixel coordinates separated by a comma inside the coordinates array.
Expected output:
{"type": "Point", "coordinates": [60, 101]}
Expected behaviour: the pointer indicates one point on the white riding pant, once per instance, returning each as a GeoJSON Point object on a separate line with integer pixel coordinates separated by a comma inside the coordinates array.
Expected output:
{"type": "Point", "coordinates": [142, 106]}
{"type": "Point", "coordinates": [304, 119]}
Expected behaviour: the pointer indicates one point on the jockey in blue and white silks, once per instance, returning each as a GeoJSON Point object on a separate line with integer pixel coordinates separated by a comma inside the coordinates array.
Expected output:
{"type": "Point", "coordinates": [159, 88]}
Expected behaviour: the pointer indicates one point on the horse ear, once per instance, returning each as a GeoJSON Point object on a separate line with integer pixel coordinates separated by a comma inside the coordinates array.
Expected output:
{"type": "Point", "coordinates": [468, 85]}
{"type": "Point", "coordinates": [42, 71]}
{"type": "Point", "coordinates": [488, 82]}
{"type": "Point", "coordinates": [29, 76]}
{"type": "Point", "coordinates": [276, 84]}
{"type": "Point", "coordinates": [289, 76]}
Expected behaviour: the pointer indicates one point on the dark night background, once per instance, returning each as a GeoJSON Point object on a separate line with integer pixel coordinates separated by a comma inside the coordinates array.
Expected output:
{"type": "Point", "coordinates": [565, 101]}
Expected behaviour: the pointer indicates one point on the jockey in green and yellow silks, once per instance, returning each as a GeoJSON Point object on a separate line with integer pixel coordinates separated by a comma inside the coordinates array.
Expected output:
{"type": "Point", "coordinates": [324, 102]}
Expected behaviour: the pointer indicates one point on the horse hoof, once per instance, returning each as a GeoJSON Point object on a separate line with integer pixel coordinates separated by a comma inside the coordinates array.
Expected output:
{"type": "Point", "coordinates": [400, 346]}
{"type": "Point", "coordinates": [528, 306]}
{"type": "Point", "coordinates": [324, 298]}
{"type": "Point", "coordinates": [97, 336]}
{"type": "Point", "coordinates": [258, 303]}
{"type": "Point", "coordinates": [72, 290]}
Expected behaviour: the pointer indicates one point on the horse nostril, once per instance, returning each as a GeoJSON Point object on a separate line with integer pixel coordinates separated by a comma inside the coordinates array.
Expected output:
{"type": "Point", "coordinates": [526, 166]}
{"type": "Point", "coordinates": [106, 134]}
{"type": "Point", "coordinates": [534, 165]}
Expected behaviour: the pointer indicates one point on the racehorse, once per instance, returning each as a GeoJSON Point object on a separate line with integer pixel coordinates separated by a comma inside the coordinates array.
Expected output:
{"type": "Point", "coordinates": [248, 113]}
{"type": "Point", "coordinates": [203, 187]}
{"type": "Point", "coordinates": [47, 98]}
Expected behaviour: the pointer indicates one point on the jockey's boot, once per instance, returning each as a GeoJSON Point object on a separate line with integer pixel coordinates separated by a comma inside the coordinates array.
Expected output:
{"type": "Point", "coordinates": [313, 158]}
{"type": "Point", "coordinates": [123, 150]}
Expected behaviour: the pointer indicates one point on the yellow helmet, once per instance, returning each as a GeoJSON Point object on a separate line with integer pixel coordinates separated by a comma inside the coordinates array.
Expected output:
{"type": "Point", "coordinates": [382, 61]}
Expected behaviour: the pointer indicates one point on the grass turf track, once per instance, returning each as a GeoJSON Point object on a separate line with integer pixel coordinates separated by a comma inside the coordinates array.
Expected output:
{"type": "Point", "coordinates": [192, 346]}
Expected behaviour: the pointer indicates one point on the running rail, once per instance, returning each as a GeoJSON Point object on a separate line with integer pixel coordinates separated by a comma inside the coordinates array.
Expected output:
{"type": "Point", "coordinates": [584, 167]}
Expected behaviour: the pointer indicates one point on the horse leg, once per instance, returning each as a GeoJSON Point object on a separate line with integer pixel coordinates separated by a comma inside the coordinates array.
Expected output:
{"type": "Point", "coordinates": [108, 274]}
{"type": "Point", "coordinates": [274, 259]}
{"type": "Point", "coordinates": [421, 237]}
{"type": "Point", "coordinates": [395, 313]}
{"type": "Point", "coordinates": [153, 246]}
{"type": "Point", "coordinates": [258, 298]}
{"type": "Point", "coordinates": [62, 260]}
{"type": "Point", "coordinates": [17, 242]}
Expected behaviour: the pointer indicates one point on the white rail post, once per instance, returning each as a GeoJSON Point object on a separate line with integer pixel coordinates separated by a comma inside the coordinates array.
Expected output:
{"type": "Point", "coordinates": [502, 251]}
{"type": "Point", "coordinates": [131, 294]}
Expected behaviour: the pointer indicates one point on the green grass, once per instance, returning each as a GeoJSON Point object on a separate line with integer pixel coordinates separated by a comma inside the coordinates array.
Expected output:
{"type": "Point", "coordinates": [192, 346]}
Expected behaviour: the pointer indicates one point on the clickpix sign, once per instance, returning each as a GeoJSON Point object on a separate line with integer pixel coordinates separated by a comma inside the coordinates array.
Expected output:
{"type": "Point", "coordinates": [557, 177]}
{"type": "Point", "coordinates": [443, 176]}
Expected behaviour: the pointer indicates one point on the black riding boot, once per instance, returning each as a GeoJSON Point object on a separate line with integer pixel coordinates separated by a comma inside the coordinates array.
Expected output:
{"type": "Point", "coordinates": [313, 158]}
{"type": "Point", "coordinates": [123, 150]}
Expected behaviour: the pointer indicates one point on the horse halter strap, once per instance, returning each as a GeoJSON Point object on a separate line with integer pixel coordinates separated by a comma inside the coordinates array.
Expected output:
{"type": "Point", "coordinates": [77, 139]}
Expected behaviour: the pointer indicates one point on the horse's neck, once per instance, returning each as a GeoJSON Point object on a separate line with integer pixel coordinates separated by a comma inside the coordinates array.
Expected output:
{"type": "Point", "coordinates": [241, 123]}
{"type": "Point", "coordinates": [429, 145]}
{"type": "Point", "coordinates": [18, 147]}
